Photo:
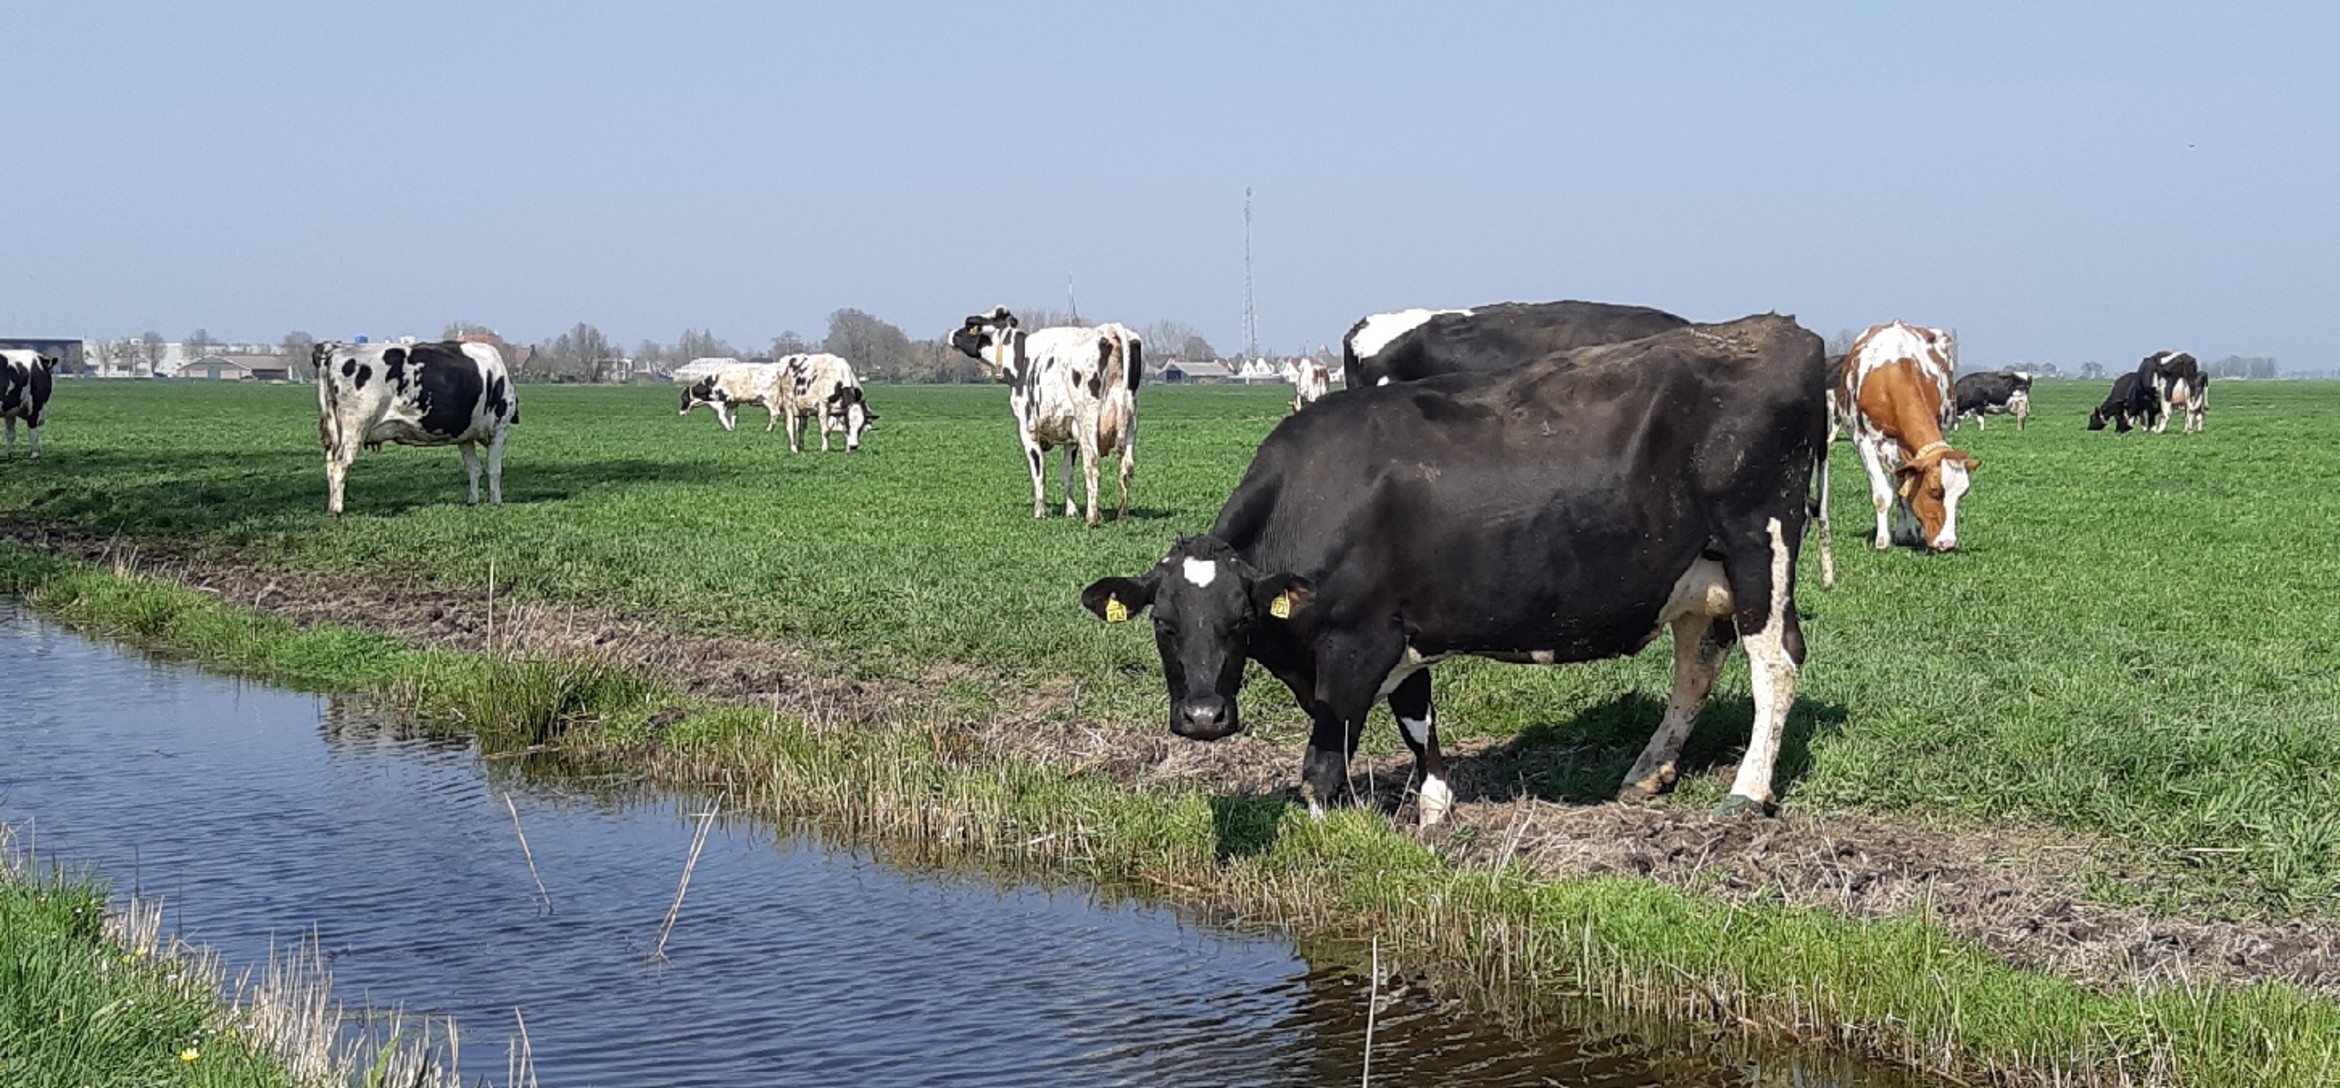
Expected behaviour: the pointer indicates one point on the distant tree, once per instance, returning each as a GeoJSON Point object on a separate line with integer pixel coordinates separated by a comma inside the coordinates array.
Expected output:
{"type": "Point", "coordinates": [1842, 342]}
{"type": "Point", "coordinates": [650, 358]}
{"type": "Point", "coordinates": [581, 354]}
{"type": "Point", "coordinates": [2092, 369]}
{"type": "Point", "coordinates": [150, 352]}
{"type": "Point", "coordinates": [1195, 349]}
{"type": "Point", "coordinates": [199, 344]}
{"type": "Point", "coordinates": [873, 346]}
{"type": "Point", "coordinates": [461, 330]}
{"type": "Point", "coordinates": [2238, 366]}
{"type": "Point", "coordinates": [701, 344]}
{"type": "Point", "coordinates": [297, 347]}
{"type": "Point", "coordinates": [789, 343]}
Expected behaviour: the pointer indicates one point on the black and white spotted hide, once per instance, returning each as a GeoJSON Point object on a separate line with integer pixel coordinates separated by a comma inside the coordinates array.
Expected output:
{"type": "Point", "coordinates": [438, 394]}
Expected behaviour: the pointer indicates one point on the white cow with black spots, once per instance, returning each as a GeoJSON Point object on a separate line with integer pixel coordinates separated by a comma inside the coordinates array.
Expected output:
{"type": "Point", "coordinates": [440, 394]}
{"type": "Point", "coordinates": [25, 378]}
{"type": "Point", "coordinates": [823, 388]}
{"type": "Point", "coordinates": [1070, 386]}
{"type": "Point", "coordinates": [728, 390]}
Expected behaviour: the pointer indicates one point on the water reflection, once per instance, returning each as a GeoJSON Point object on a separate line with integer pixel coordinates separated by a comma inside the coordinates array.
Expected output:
{"type": "Point", "coordinates": [792, 961]}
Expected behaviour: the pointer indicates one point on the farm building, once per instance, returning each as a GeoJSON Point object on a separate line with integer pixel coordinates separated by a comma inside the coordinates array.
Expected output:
{"type": "Point", "coordinates": [220, 366]}
{"type": "Point", "coordinates": [699, 368]}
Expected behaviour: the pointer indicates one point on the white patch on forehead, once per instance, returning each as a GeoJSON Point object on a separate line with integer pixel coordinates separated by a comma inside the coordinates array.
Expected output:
{"type": "Point", "coordinates": [1379, 329]}
{"type": "Point", "coordinates": [1199, 571]}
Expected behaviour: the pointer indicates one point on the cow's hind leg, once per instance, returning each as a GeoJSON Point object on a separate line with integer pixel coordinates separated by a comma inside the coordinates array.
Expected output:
{"type": "Point", "coordinates": [1763, 591]}
{"type": "Point", "coordinates": [32, 441]}
{"type": "Point", "coordinates": [1701, 643]}
{"type": "Point", "coordinates": [1090, 470]}
{"type": "Point", "coordinates": [470, 471]}
{"type": "Point", "coordinates": [1418, 723]}
{"type": "Point", "coordinates": [337, 459]}
{"type": "Point", "coordinates": [1035, 460]}
{"type": "Point", "coordinates": [1065, 472]}
{"type": "Point", "coordinates": [11, 423]}
{"type": "Point", "coordinates": [495, 469]}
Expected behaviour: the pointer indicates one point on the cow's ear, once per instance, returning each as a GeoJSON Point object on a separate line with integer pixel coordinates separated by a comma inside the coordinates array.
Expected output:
{"type": "Point", "coordinates": [1117, 599]}
{"type": "Point", "coordinates": [1972, 462]}
{"type": "Point", "coordinates": [1282, 596]}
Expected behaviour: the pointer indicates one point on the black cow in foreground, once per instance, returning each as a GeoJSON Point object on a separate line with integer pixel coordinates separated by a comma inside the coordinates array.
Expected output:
{"type": "Point", "coordinates": [1409, 345]}
{"type": "Point", "coordinates": [1555, 512]}
{"type": "Point", "coordinates": [2007, 392]}
{"type": "Point", "coordinates": [2131, 403]}
{"type": "Point", "coordinates": [25, 378]}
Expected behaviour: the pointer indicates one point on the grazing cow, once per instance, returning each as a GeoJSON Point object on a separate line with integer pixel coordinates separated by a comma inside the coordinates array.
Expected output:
{"type": "Point", "coordinates": [25, 377]}
{"type": "Point", "coordinates": [1895, 386]}
{"type": "Point", "coordinates": [2131, 403]}
{"type": "Point", "coordinates": [2007, 392]}
{"type": "Point", "coordinates": [442, 394]}
{"type": "Point", "coordinates": [1554, 512]}
{"type": "Point", "coordinates": [1069, 386]}
{"type": "Point", "coordinates": [1310, 380]}
{"type": "Point", "coordinates": [731, 388]}
{"type": "Point", "coordinates": [2180, 386]}
{"type": "Point", "coordinates": [1412, 344]}
{"type": "Point", "coordinates": [823, 388]}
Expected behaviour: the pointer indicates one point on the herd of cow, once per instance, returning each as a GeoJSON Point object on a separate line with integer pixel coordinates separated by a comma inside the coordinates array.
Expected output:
{"type": "Point", "coordinates": [1534, 483]}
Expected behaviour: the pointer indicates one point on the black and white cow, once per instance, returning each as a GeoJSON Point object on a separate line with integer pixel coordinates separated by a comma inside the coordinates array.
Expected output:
{"type": "Point", "coordinates": [25, 378]}
{"type": "Point", "coordinates": [2007, 392]}
{"type": "Point", "coordinates": [2131, 403]}
{"type": "Point", "coordinates": [1070, 386]}
{"type": "Point", "coordinates": [439, 394]}
{"type": "Point", "coordinates": [822, 388]}
{"type": "Point", "coordinates": [1544, 514]}
{"type": "Point", "coordinates": [731, 388]}
{"type": "Point", "coordinates": [1310, 379]}
{"type": "Point", "coordinates": [2179, 386]}
{"type": "Point", "coordinates": [1412, 344]}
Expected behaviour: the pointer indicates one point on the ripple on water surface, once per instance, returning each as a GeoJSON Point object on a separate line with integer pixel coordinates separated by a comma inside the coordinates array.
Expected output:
{"type": "Point", "coordinates": [262, 815]}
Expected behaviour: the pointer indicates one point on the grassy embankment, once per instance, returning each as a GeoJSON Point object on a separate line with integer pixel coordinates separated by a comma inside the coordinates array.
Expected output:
{"type": "Point", "coordinates": [92, 996]}
{"type": "Point", "coordinates": [2126, 647]}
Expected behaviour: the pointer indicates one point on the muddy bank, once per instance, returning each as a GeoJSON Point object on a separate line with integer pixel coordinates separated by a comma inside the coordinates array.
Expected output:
{"type": "Point", "coordinates": [2019, 893]}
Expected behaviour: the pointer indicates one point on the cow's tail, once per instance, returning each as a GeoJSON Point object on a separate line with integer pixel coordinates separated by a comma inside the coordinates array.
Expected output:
{"type": "Point", "coordinates": [1819, 513]}
{"type": "Point", "coordinates": [1134, 357]}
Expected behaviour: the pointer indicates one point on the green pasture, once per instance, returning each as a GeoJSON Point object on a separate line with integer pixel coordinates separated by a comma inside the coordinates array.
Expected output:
{"type": "Point", "coordinates": [2135, 638]}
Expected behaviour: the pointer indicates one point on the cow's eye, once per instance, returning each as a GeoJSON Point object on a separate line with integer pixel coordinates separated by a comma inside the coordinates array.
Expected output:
{"type": "Point", "coordinates": [1935, 492]}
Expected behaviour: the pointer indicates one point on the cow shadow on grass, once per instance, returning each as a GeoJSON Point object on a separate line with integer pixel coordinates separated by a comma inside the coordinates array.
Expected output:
{"type": "Point", "coordinates": [1579, 761]}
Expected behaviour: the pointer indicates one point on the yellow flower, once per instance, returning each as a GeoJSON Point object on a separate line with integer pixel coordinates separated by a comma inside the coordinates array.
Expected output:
{"type": "Point", "coordinates": [190, 1054]}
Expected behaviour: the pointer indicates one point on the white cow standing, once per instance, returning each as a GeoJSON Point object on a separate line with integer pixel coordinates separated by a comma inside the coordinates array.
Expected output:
{"type": "Point", "coordinates": [823, 388]}
{"type": "Point", "coordinates": [25, 379]}
{"type": "Point", "coordinates": [1070, 386]}
{"type": "Point", "coordinates": [438, 394]}
{"type": "Point", "coordinates": [727, 390]}
{"type": "Point", "coordinates": [1310, 381]}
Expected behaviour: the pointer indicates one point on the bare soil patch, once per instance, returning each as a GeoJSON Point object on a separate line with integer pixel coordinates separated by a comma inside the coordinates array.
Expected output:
{"type": "Point", "coordinates": [2017, 892]}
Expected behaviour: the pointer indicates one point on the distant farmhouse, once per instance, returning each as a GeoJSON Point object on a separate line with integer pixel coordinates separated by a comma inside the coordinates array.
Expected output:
{"type": "Point", "coordinates": [226, 366]}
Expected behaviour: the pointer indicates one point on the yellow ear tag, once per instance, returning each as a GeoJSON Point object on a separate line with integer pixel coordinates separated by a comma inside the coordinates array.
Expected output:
{"type": "Point", "coordinates": [1281, 607]}
{"type": "Point", "coordinates": [1115, 611]}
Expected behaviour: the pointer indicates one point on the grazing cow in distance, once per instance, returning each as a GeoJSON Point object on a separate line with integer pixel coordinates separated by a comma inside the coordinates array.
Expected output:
{"type": "Point", "coordinates": [2131, 403]}
{"type": "Point", "coordinates": [731, 388]}
{"type": "Point", "coordinates": [823, 388]}
{"type": "Point", "coordinates": [1310, 381]}
{"type": "Point", "coordinates": [1069, 386]}
{"type": "Point", "coordinates": [1895, 386]}
{"type": "Point", "coordinates": [25, 380]}
{"type": "Point", "coordinates": [435, 394]}
{"type": "Point", "coordinates": [2007, 392]}
{"type": "Point", "coordinates": [1390, 527]}
{"type": "Point", "coordinates": [2180, 386]}
{"type": "Point", "coordinates": [1412, 344]}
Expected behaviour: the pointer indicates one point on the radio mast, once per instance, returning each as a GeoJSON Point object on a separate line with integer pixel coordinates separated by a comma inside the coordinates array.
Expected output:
{"type": "Point", "coordinates": [1250, 314]}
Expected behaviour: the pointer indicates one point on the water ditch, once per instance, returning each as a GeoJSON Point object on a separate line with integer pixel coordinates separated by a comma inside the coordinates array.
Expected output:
{"type": "Point", "coordinates": [264, 816]}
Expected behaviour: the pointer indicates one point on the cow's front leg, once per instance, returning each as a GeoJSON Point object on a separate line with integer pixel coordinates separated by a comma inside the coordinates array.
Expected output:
{"type": "Point", "coordinates": [1089, 473]}
{"type": "Point", "coordinates": [1880, 489]}
{"type": "Point", "coordinates": [11, 422]}
{"type": "Point", "coordinates": [32, 441]}
{"type": "Point", "coordinates": [824, 431]}
{"type": "Point", "coordinates": [1700, 644]}
{"type": "Point", "coordinates": [725, 415]}
{"type": "Point", "coordinates": [1350, 670]}
{"type": "Point", "coordinates": [1418, 723]}
{"type": "Point", "coordinates": [337, 459]}
{"type": "Point", "coordinates": [470, 472]}
{"type": "Point", "coordinates": [771, 417]}
{"type": "Point", "coordinates": [495, 469]}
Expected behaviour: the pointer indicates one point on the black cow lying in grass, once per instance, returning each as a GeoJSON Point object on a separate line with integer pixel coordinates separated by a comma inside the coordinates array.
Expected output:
{"type": "Point", "coordinates": [1565, 510]}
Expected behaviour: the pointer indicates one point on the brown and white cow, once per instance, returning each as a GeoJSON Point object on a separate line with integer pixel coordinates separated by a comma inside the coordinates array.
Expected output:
{"type": "Point", "coordinates": [823, 388]}
{"type": "Point", "coordinates": [1310, 381]}
{"type": "Point", "coordinates": [25, 379]}
{"type": "Point", "coordinates": [1895, 388]}
{"type": "Point", "coordinates": [441, 394]}
{"type": "Point", "coordinates": [1070, 386]}
{"type": "Point", "coordinates": [731, 388]}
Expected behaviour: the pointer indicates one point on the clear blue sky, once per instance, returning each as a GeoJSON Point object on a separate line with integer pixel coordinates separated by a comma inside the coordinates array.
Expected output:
{"type": "Point", "coordinates": [2058, 182]}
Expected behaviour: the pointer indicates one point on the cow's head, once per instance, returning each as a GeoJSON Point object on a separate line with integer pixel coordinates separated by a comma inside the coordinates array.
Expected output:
{"type": "Point", "coordinates": [1932, 483]}
{"type": "Point", "coordinates": [849, 404]}
{"type": "Point", "coordinates": [1208, 607]}
{"type": "Point", "coordinates": [706, 391]}
{"type": "Point", "coordinates": [990, 339]}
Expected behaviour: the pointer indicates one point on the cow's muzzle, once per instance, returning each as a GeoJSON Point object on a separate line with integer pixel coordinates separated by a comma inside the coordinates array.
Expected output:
{"type": "Point", "coordinates": [1204, 717]}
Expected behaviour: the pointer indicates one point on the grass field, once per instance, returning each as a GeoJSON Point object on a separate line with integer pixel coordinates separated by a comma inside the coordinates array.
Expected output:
{"type": "Point", "coordinates": [2135, 638]}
